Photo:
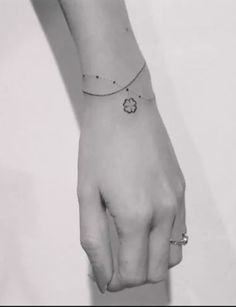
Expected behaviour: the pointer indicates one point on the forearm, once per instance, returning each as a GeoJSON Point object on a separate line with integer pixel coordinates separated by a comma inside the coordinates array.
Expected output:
{"type": "Point", "coordinates": [104, 37]}
{"type": "Point", "coordinates": [127, 165]}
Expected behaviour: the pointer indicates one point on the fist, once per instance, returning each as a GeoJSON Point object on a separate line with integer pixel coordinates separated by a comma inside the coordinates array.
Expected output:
{"type": "Point", "coordinates": [127, 167]}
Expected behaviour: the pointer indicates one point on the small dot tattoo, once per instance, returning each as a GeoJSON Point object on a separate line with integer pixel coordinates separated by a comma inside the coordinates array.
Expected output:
{"type": "Point", "coordinates": [130, 105]}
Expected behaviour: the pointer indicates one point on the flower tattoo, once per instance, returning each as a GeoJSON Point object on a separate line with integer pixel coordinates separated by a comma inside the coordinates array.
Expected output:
{"type": "Point", "coordinates": [130, 105]}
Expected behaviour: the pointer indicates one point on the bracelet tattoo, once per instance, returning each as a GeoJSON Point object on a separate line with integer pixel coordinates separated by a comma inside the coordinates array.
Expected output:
{"type": "Point", "coordinates": [129, 104]}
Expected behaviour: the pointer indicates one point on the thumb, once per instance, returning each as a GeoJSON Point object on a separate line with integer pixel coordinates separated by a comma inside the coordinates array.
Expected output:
{"type": "Point", "coordinates": [94, 235]}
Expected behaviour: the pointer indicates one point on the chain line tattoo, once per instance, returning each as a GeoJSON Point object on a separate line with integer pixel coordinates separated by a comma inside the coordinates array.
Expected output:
{"type": "Point", "coordinates": [129, 104]}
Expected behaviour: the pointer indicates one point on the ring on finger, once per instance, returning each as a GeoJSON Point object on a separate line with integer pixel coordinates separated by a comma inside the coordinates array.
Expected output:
{"type": "Point", "coordinates": [181, 242]}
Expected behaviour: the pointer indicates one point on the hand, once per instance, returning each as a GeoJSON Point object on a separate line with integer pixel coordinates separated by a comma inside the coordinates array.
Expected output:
{"type": "Point", "coordinates": [127, 166]}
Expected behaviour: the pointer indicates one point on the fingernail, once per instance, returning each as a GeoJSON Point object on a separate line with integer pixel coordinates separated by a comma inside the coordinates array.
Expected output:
{"type": "Point", "coordinates": [103, 288]}
{"type": "Point", "coordinates": [101, 279]}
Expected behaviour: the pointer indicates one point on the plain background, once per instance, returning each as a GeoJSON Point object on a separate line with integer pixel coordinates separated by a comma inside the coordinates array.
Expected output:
{"type": "Point", "coordinates": [190, 48]}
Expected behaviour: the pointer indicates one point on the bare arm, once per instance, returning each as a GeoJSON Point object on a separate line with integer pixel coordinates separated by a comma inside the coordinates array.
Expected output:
{"type": "Point", "coordinates": [126, 164]}
{"type": "Point", "coordinates": [104, 37]}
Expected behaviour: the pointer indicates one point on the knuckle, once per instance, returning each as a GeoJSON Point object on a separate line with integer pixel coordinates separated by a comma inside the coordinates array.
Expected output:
{"type": "Point", "coordinates": [170, 205]}
{"type": "Point", "coordinates": [172, 202]}
{"type": "Point", "coordinates": [140, 218]}
{"type": "Point", "coordinates": [173, 195]}
{"type": "Point", "coordinates": [136, 217]}
{"type": "Point", "coordinates": [169, 196]}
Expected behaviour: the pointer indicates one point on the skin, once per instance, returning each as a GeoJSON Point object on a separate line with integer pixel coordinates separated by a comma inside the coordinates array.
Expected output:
{"type": "Point", "coordinates": [127, 165]}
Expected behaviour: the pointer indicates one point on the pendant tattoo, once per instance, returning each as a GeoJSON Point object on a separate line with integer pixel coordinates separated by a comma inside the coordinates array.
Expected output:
{"type": "Point", "coordinates": [130, 105]}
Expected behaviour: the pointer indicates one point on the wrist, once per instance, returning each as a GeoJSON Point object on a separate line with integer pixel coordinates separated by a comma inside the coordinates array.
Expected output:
{"type": "Point", "coordinates": [128, 104]}
{"type": "Point", "coordinates": [105, 116]}
{"type": "Point", "coordinates": [102, 85]}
